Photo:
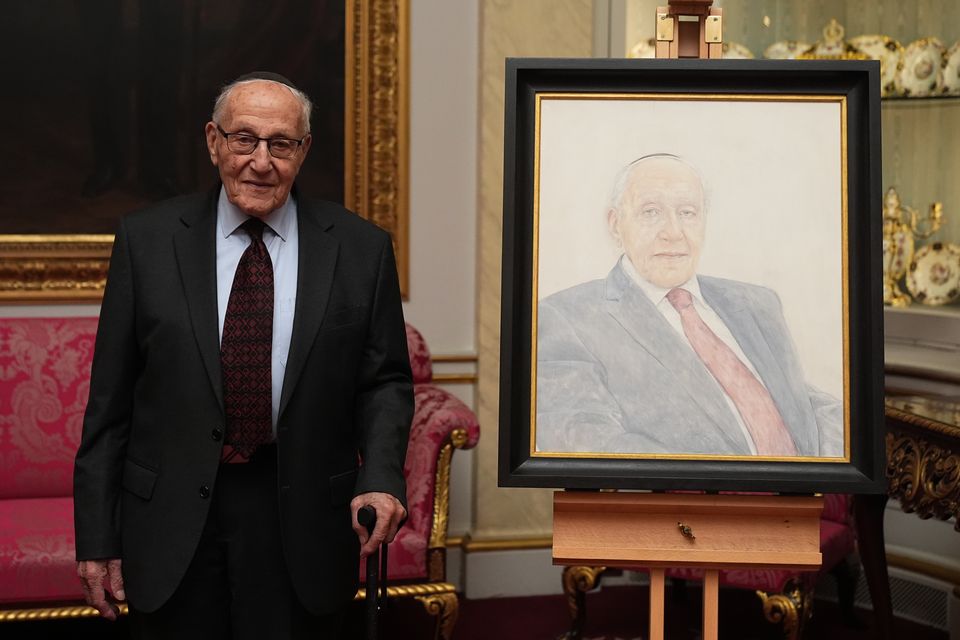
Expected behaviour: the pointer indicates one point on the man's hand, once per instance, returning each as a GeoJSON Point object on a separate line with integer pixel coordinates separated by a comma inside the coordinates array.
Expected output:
{"type": "Point", "coordinates": [92, 573]}
{"type": "Point", "coordinates": [390, 513]}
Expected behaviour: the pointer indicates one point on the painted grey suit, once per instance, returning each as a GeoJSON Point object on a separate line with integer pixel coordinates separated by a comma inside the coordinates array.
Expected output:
{"type": "Point", "coordinates": [614, 376]}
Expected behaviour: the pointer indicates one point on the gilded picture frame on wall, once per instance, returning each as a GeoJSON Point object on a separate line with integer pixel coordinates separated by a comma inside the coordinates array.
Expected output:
{"type": "Point", "coordinates": [691, 275]}
{"type": "Point", "coordinates": [135, 95]}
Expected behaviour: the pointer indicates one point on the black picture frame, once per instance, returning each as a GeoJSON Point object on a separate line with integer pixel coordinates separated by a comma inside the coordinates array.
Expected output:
{"type": "Point", "coordinates": [855, 84]}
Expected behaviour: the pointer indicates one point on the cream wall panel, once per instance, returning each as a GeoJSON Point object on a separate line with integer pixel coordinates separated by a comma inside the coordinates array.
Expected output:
{"type": "Point", "coordinates": [443, 184]}
{"type": "Point", "coordinates": [511, 574]}
{"type": "Point", "coordinates": [639, 22]}
{"type": "Point", "coordinates": [509, 28]}
{"type": "Point", "coordinates": [443, 204]}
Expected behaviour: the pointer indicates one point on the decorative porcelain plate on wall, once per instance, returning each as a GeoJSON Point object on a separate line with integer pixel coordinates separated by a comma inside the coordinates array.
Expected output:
{"type": "Point", "coordinates": [951, 70]}
{"type": "Point", "coordinates": [785, 49]}
{"type": "Point", "coordinates": [919, 73]}
{"type": "Point", "coordinates": [644, 49]}
{"type": "Point", "coordinates": [888, 51]}
{"type": "Point", "coordinates": [934, 274]}
{"type": "Point", "coordinates": [736, 51]}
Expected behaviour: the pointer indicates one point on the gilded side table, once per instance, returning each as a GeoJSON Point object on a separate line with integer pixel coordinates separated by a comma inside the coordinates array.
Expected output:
{"type": "Point", "coordinates": [923, 473]}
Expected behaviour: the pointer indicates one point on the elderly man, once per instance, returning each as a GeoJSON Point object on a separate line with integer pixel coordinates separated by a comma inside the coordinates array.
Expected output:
{"type": "Point", "coordinates": [657, 359]}
{"type": "Point", "coordinates": [250, 392]}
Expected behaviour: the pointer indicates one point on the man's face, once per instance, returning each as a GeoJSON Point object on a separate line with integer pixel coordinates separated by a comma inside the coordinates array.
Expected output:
{"type": "Point", "coordinates": [258, 183]}
{"type": "Point", "coordinates": [661, 221]}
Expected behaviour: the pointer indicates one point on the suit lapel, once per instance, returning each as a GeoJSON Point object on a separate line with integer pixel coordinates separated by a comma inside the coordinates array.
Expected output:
{"type": "Point", "coordinates": [737, 315]}
{"type": "Point", "coordinates": [196, 250]}
{"type": "Point", "coordinates": [647, 326]}
{"type": "Point", "coordinates": [315, 268]}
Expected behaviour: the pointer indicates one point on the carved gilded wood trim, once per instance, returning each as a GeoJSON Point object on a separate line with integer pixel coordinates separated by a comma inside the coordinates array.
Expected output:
{"type": "Point", "coordinates": [376, 130]}
{"type": "Point", "coordinates": [73, 268]}
{"type": "Point", "coordinates": [53, 268]}
{"type": "Point", "coordinates": [924, 476]}
{"type": "Point", "coordinates": [923, 465]}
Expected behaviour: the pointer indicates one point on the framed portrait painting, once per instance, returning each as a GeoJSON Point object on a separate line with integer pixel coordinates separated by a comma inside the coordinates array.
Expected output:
{"type": "Point", "coordinates": [111, 102]}
{"type": "Point", "coordinates": [691, 290]}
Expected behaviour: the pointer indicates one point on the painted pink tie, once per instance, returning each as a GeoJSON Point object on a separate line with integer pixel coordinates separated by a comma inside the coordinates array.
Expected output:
{"type": "Point", "coordinates": [753, 401]}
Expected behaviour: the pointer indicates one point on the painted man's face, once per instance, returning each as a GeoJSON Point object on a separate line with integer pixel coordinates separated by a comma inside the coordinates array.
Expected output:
{"type": "Point", "coordinates": [660, 221]}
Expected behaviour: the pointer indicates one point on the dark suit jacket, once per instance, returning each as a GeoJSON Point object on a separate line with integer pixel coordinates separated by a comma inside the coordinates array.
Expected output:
{"type": "Point", "coordinates": [614, 376]}
{"type": "Point", "coordinates": [149, 454]}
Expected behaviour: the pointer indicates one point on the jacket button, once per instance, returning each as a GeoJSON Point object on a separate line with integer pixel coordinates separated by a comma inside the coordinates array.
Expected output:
{"type": "Point", "coordinates": [204, 491]}
{"type": "Point", "coordinates": [217, 435]}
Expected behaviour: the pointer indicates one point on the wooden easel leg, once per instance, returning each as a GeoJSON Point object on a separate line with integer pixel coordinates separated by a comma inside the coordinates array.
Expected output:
{"type": "Point", "coordinates": [711, 596]}
{"type": "Point", "coordinates": [656, 604]}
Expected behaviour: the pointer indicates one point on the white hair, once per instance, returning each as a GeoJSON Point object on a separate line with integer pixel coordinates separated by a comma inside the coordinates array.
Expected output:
{"type": "Point", "coordinates": [306, 106]}
{"type": "Point", "coordinates": [623, 178]}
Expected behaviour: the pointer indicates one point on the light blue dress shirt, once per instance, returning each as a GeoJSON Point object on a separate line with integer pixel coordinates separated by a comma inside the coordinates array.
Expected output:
{"type": "Point", "coordinates": [282, 240]}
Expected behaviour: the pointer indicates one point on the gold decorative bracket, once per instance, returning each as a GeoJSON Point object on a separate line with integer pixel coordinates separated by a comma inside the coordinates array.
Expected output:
{"type": "Point", "coordinates": [714, 30]}
{"type": "Point", "coordinates": [664, 27]}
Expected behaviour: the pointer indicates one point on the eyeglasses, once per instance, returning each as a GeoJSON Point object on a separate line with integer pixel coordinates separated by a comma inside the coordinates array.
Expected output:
{"type": "Point", "coordinates": [245, 144]}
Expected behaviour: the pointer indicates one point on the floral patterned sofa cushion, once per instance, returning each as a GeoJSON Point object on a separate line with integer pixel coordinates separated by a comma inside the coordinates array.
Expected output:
{"type": "Point", "coordinates": [37, 562]}
{"type": "Point", "coordinates": [44, 382]}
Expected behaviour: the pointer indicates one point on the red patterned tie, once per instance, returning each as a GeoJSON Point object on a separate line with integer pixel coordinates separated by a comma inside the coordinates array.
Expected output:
{"type": "Point", "coordinates": [245, 350]}
{"type": "Point", "coordinates": [753, 401]}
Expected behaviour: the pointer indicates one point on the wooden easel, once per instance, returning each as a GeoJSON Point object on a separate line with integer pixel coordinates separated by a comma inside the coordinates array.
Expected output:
{"type": "Point", "coordinates": [660, 530]}
{"type": "Point", "coordinates": [709, 532]}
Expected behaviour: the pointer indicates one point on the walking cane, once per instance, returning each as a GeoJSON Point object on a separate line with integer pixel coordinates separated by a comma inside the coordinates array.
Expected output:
{"type": "Point", "coordinates": [376, 584]}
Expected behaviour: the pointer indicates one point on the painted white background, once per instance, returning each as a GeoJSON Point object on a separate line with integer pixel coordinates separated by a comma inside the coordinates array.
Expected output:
{"type": "Point", "coordinates": [772, 177]}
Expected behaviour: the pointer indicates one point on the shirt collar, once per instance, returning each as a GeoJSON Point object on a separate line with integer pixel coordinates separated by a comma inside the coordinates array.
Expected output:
{"type": "Point", "coordinates": [231, 217]}
{"type": "Point", "coordinates": [653, 292]}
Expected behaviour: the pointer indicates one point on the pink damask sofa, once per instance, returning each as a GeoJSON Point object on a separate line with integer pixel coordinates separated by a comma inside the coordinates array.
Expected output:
{"type": "Point", "coordinates": [44, 383]}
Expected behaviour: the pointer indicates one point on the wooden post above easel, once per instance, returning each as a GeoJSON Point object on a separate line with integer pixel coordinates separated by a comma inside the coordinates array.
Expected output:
{"type": "Point", "coordinates": [689, 29]}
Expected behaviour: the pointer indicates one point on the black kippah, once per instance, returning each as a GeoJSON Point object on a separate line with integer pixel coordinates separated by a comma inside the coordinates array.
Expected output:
{"type": "Point", "coordinates": [266, 75]}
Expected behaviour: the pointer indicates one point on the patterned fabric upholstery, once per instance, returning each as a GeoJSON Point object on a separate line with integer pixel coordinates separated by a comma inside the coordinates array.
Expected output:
{"type": "Point", "coordinates": [37, 562]}
{"type": "Point", "coordinates": [436, 415]}
{"type": "Point", "coordinates": [44, 382]}
{"type": "Point", "coordinates": [420, 361]}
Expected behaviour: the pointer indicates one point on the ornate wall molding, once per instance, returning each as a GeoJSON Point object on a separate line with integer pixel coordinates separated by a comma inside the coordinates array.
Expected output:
{"type": "Point", "coordinates": [376, 154]}
{"type": "Point", "coordinates": [53, 268]}
{"type": "Point", "coordinates": [73, 268]}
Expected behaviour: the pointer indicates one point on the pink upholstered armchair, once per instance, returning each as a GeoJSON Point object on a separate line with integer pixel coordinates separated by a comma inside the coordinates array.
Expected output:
{"type": "Point", "coordinates": [787, 596]}
{"type": "Point", "coordinates": [418, 556]}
